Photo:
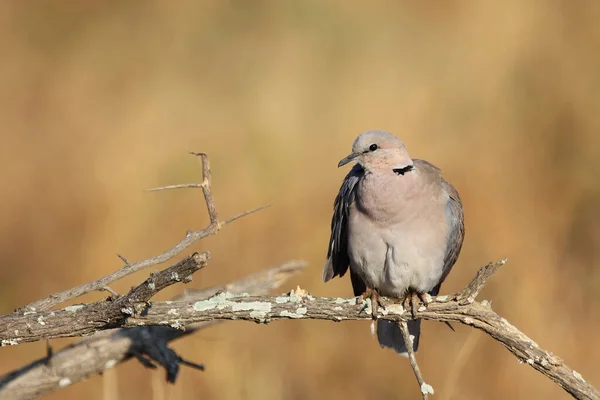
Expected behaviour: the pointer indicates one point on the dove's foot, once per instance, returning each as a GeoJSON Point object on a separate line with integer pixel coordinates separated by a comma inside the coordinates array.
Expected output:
{"type": "Point", "coordinates": [412, 299]}
{"type": "Point", "coordinates": [372, 294]}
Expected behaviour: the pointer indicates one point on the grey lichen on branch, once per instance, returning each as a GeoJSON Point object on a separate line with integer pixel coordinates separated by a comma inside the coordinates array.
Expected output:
{"type": "Point", "coordinates": [264, 309]}
{"type": "Point", "coordinates": [461, 308]}
{"type": "Point", "coordinates": [149, 344]}
{"type": "Point", "coordinates": [85, 319]}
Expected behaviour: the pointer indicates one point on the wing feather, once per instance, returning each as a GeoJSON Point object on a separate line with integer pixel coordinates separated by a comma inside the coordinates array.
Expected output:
{"type": "Point", "coordinates": [337, 254]}
{"type": "Point", "coordinates": [454, 213]}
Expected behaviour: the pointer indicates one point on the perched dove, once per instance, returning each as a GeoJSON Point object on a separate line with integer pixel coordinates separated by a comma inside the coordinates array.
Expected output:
{"type": "Point", "coordinates": [397, 224]}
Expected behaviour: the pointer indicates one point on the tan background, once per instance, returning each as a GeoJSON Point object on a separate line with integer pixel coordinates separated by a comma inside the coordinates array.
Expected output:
{"type": "Point", "coordinates": [100, 100]}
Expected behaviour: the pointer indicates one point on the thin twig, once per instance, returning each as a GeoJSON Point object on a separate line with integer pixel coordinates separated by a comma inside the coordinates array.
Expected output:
{"type": "Point", "coordinates": [408, 342]}
{"type": "Point", "coordinates": [243, 214]}
{"type": "Point", "coordinates": [179, 186]}
{"type": "Point", "coordinates": [206, 189]}
{"type": "Point", "coordinates": [123, 259]}
{"type": "Point", "coordinates": [109, 290]}
{"type": "Point", "coordinates": [191, 364]}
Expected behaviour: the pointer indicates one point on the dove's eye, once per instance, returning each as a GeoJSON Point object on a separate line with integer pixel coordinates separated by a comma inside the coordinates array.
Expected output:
{"type": "Point", "coordinates": [373, 147]}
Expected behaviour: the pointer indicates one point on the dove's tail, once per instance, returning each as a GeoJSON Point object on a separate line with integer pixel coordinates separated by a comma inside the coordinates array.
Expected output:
{"type": "Point", "coordinates": [389, 335]}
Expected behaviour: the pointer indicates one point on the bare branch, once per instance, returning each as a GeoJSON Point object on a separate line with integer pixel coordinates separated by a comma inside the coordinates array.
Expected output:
{"type": "Point", "coordinates": [265, 309]}
{"type": "Point", "coordinates": [106, 349]}
{"type": "Point", "coordinates": [408, 342]}
{"type": "Point", "coordinates": [226, 306]}
{"type": "Point", "coordinates": [130, 268]}
{"type": "Point", "coordinates": [30, 326]}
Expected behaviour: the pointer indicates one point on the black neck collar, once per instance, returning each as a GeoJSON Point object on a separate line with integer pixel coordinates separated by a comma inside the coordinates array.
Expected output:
{"type": "Point", "coordinates": [402, 171]}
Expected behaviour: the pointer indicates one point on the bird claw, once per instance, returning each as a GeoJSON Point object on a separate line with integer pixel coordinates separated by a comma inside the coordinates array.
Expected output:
{"type": "Point", "coordinates": [425, 298]}
{"type": "Point", "coordinates": [407, 303]}
{"type": "Point", "coordinates": [373, 295]}
{"type": "Point", "coordinates": [412, 300]}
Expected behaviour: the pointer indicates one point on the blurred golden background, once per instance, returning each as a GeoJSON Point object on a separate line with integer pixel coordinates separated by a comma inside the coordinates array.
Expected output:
{"type": "Point", "coordinates": [101, 100]}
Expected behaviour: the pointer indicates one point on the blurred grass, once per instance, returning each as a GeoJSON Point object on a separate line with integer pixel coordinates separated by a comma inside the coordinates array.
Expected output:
{"type": "Point", "coordinates": [99, 101]}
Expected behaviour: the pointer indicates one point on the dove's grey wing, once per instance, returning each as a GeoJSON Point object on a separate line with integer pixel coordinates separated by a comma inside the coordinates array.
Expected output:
{"type": "Point", "coordinates": [455, 218]}
{"type": "Point", "coordinates": [337, 254]}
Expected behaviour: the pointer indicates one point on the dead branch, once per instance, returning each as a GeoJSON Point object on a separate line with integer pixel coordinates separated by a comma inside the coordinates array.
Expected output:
{"type": "Point", "coordinates": [150, 345]}
{"type": "Point", "coordinates": [461, 308]}
{"type": "Point", "coordinates": [151, 342]}
{"type": "Point", "coordinates": [130, 268]}
{"type": "Point", "coordinates": [227, 306]}
{"type": "Point", "coordinates": [27, 326]}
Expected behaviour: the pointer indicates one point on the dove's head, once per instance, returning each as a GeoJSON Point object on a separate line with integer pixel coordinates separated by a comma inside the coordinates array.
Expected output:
{"type": "Point", "coordinates": [379, 150]}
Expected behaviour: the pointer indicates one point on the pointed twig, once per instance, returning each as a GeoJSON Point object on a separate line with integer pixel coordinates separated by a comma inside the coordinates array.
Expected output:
{"type": "Point", "coordinates": [243, 214]}
{"type": "Point", "coordinates": [191, 364]}
{"type": "Point", "coordinates": [109, 290]}
{"type": "Point", "coordinates": [179, 186]}
{"type": "Point", "coordinates": [123, 259]}
{"type": "Point", "coordinates": [206, 189]}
